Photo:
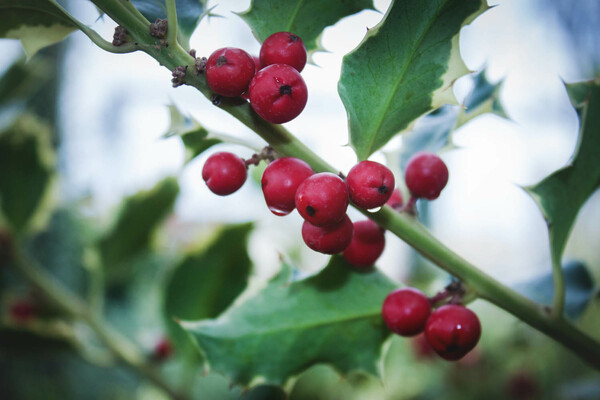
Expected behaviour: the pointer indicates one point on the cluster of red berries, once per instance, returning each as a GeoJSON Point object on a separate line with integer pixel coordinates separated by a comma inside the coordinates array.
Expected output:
{"type": "Point", "coordinates": [271, 82]}
{"type": "Point", "coordinates": [451, 330]}
{"type": "Point", "coordinates": [322, 198]}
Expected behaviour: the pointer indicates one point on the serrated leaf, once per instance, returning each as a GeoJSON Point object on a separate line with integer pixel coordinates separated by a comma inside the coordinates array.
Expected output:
{"type": "Point", "coordinates": [189, 14]}
{"type": "Point", "coordinates": [483, 98]}
{"type": "Point", "coordinates": [131, 234]}
{"type": "Point", "coordinates": [26, 173]}
{"type": "Point", "coordinates": [561, 195]}
{"type": "Point", "coordinates": [207, 281]}
{"type": "Point", "coordinates": [37, 23]}
{"type": "Point", "coordinates": [21, 80]}
{"type": "Point", "coordinates": [404, 68]}
{"type": "Point", "coordinates": [194, 136]}
{"type": "Point", "coordinates": [305, 18]}
{"type": "Point", "coordinates": [578, 284]}
{"type": "Point", "coordinates": [333, 317]}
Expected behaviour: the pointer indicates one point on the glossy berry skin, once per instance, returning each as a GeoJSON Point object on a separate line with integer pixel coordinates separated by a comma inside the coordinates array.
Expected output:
{"type": "Point", "coordinates": [224, 173]}
{"type": "Point", "coordinates": [278, 93]}
{"type": "Point", "coordinates": [322, 199]}
{"type": "Point", "coordinates": [395, 201]}
{"type": "Point", "coordinates": [329, 239]}
{"type": "Point", "coordinates": [283, 48]}
{"type": "Point", "coordinates": [452, 331]}
{"type": "Point", "coordinates": [405, 311]}
{"type": "Point", "coordinates": [370, 184]}
{"type": "Point", "coordinates": [229, 71]}
{"type": "Point", "coordinates": [280, 180]}
{"type": "Point", "coordinates": [426, 175]}
{"type": "Point", "coordinates": [368, 242]}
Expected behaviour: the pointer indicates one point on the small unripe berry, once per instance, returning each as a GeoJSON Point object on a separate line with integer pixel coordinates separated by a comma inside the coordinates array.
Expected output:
{"type": "Point", "coordinates": [370, 184]}
{"type": "Point", "coordinates": [224, 173]}
{"type": "Point", "coordinates": [368, 242]}
{"type": "Point", "coordinates": [278, 93]}
{"type": "Point", "coordinates": [322, 199]}
{"type": "Point", "coordinates": [405, 311]}
{"type": "Point", "coordinates": [280, 180]}
{"type": "Point", "coordinates": [426, 175]}
{"type": "Point", "coordinates": [452, 331]}
{"type": "Point", "coordinates": [329, 239]}
{"type": "Point", "coordinates": [229, 71]}
{"type": "Point", "coordinates": [283, 48]}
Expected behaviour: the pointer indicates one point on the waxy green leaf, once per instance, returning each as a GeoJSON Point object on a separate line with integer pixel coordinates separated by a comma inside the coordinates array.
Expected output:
{"type": "Point", "coordinates": [305, 18]}
{"type": "Point", "coordinates": [333, 317]}
{"type": "Point", "coordinates": [37, 23]}
{"type": "Point", "coordinates": [561, 195]}
{"type": "Point", "coordinates": [26, 172]}
{"type": "Point", "coordinates": [131, 234]}
{"type": "Point", "coordinates": [483, 98]}
{"type": "Point", "coordinates": [404, 68]}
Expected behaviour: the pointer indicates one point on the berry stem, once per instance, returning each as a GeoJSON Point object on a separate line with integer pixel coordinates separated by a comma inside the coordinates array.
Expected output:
{"type": "Point", "coordinates": [403, 225]}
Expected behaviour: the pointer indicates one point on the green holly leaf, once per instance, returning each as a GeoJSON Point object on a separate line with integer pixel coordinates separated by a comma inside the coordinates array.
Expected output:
{"type": "Point", "coordinates": [36, 23]}
{"type": "Point", "coordinates": [333, 317]}
{"type": "Point", "coordinates": [404, 68]}
{"type": "Point", "coordinates": [132, 232]}
{"type": "Point", "coordinates": [189, 14]}
{"type": "Point", "coordinates": [207, 281]}
{"type": "Point", "coordinates": [483, 98]}
{"type": "Point", "coordinates": [561, 195]}
{"type": "Point", "coordinates": [305, 18]}
{"type": "Point", "coordinates": [22, 80]}
{"type": "Point", "coordinates": [27, 168]}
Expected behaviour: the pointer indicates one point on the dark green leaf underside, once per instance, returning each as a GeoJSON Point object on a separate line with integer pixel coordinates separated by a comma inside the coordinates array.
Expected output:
{"type": "Point", "coordinates": [563, 193]}
{"type": "Point", "coordinates": [403, 68]}
{"type": "Point", "coordinates": [288, 327]}
{"type": "Point", "coordinates": [305, 18]}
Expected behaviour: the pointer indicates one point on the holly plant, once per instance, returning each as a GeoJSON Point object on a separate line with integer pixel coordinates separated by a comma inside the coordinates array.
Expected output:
{"type": "Point", "coordinates": [84, 292]}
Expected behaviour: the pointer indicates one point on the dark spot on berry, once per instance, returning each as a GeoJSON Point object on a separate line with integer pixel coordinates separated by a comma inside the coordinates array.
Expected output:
{"type": "Point", "coordinates": [293, 38]}
{"type": "Point", "coordinates": [382, 189]}
{"type": "Point", "coordinates": [452, 348]}
{"type": "Point", "coordinates": [285, 89]}
{"type": "Point", "coordinates": [221, 61]}
{"type": "Point", "coordinates": [310, 211]}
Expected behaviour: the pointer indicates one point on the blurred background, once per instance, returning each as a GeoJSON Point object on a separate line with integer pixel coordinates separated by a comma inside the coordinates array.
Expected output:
{"type": "Point", "coordinates": [109, 114]}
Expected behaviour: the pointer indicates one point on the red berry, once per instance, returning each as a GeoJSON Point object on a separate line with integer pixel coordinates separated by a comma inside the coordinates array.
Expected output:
{"type": "Point", "coordinates": [224, 173]}
{"type": "Point", "coordinates": [278, 93]}
{"type": "Point", "coordinates": [421, 348]}
{"type": "Point", "coordinates": [370, 184]}
{"type": "Point", "coordinates": [257, 64]}
{"type": "Point", "coordinates": [367, 244]}
{"type": "Point", "coordinates": [405, 311]}
{"type": "Point", "coordinates": [322, 199]}
{"type": "Point", "coordinates": [395, 201]}
{"type": "Point", "coordinates": [452, 331]}
{"type": "Point", "coordinates": [279, 182]}
{"type": "Point", "coordinates": [426, 175]}
{"type": "Point", "coordinates": [22, 311]}
{"type": "Point", "coordinates": [163, 349]}
{"type": "Point", "coordinates": [329, 239]}
{"type": "Point", "coordinates": [229, 71]}
{"type": "Point", "coordinates": [283, 48]}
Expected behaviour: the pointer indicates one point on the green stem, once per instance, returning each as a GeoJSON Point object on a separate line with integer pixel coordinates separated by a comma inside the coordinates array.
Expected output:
{"type": "Point", "coordinates": [172, 21]}
{"type": "Point", "coordinates": [401, 224]}
{"type": "Point", "coordinates": [72, 305]}
{"type": "Point", "coordinates": [558, 302]}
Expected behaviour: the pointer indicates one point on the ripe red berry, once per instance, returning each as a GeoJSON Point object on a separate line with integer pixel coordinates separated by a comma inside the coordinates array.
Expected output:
{"type": "Point", "coordinates": [278, 93]}
{"type": "Point", "coordinates": [329, 239]}
{"type": "Point", "coordinates": [224, 173]}
{"type": "Point", "coordinates": [322, 199]}
{"type": "Point", "coordinates": [452, 331]}
{"type": "Point", "coordinates": [370, 184]}
{"type": "Point", "coordinates": [405, 311]}
{"type": "Point", "coordinates": [229, 71]}
{"type": "Point", "coordinates": [367, 244]}
{"type": "Point", "coordinates": [283, 48]}
{"type": "Point", "coordinates": [426, 175]}
{"type": "Point", "coordinates": [22, 311]}
{"type": "Point", "coordinates": [280, 180]}
{"type": "Point", "coordinates": [395, 201]}
{"type": "Point", "coordinates": [163, 349]}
